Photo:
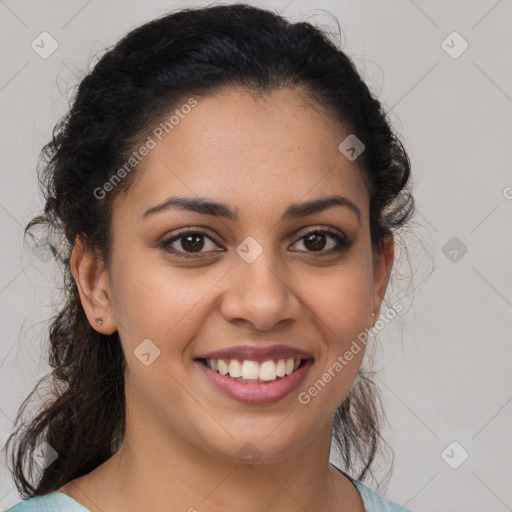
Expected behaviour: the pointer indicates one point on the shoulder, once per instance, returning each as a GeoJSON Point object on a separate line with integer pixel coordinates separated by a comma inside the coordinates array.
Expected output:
{"type": "Point", "coordinates": [374, 502]}
{"type": "Point", "coordinates": [52, 502]}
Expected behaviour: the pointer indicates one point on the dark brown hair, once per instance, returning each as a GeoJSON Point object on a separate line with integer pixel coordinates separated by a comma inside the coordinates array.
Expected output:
{"type": "Point", "coordinates": [190, 52]}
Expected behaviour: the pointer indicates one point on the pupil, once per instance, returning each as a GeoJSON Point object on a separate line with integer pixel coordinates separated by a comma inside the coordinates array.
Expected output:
{"type": "Point", "coordinates": [316, 238]}
{"type": "Point", "coordinates": [192, 246]}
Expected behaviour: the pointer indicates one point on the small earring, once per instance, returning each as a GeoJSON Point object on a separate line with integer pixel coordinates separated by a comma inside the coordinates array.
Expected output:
{"type": "Point", "coordinates": [373, 314]}
{"type": "Point", "coordinates": [99, 321]}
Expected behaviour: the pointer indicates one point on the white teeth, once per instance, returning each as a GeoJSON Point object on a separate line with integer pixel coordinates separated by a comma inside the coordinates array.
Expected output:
{"type": "Point", "coordinates": [223, 367]}
{"type": "Point", "coordinates": [252, 370]}
{"type": "Point", "coordinates": [268, 370]}
{"type": "Point", "coordinates": [235, 369]}
{"type": "Point", "coordinates": [281, 368]}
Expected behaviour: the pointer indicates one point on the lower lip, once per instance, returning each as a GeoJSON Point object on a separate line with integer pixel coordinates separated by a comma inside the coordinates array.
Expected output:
{"type": "Point", "coordinates": [252, 393]}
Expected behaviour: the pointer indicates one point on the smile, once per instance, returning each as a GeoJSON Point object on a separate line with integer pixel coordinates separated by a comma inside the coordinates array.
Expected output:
{"type": "Point", "coordinates": [255, 382]}
{"type": "Point", "coordinates": [252, 371]}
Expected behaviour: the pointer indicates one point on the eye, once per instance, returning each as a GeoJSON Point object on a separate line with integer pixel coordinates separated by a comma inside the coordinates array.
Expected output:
{"type": "Point", "coordinates": [188, 243]}
{"type": "Point", "coordinates": [317, 241]}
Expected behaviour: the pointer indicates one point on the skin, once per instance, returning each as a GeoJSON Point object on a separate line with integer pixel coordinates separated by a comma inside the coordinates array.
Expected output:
{"type": "Point", "coordinates": [183, 435]}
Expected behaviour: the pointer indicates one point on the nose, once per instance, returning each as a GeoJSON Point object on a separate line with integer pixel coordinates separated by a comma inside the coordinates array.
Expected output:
{"type": "Point", "coordinates": [260, 294]}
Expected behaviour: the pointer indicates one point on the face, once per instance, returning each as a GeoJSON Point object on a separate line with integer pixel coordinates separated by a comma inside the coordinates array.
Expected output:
{"type": "Point", "coordinates": [267, 275]}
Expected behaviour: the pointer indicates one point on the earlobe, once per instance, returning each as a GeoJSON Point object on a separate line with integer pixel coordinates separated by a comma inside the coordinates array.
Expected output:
{"type": "Point", "coordinates": [91, 278]}
{"type": "Point", "coordinates": [383, 263]}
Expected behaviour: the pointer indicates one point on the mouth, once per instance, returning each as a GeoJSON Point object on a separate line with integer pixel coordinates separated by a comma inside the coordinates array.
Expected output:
{"type": "Point", "coordinates": [253, 372]}
{"type": "Point", "coordinates": [255, 382]}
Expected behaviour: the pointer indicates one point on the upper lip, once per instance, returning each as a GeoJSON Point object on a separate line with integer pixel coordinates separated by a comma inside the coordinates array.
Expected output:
{"type": "Point", "coordinates": [257, 353]}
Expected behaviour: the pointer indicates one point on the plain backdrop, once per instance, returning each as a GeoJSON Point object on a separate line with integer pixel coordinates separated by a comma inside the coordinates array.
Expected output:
{"type": "Point", "coordinates": [445, 365]}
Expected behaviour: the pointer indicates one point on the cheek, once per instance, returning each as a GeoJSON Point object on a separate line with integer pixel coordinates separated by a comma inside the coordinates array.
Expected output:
{"type": "Point", "coordinates": [156, 302]}
{"type": "Point", "coordinates": [340, 310]}
{"type": "Point", "coordinates": [343, 302]}
{"type": "Point", "coordinates": [166, 307]}
{"type": "Point", "coordinates": [345, 339]}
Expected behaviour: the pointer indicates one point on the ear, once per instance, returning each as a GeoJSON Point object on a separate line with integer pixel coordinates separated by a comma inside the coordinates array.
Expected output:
{"type": "Point", "coordinates": [91, 278]}
{"type": "Point", "coordinates": [382, 264]}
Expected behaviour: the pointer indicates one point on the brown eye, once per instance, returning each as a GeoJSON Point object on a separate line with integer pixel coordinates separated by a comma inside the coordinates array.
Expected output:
{"type": "Point", "coordinates": [315, 241]}
{"type": "Point", "coordinates": [193, 243]}
{"type": "Point", "coordinates": [318, 241]}
{"type": "Point", "coordinates": [189, 242]}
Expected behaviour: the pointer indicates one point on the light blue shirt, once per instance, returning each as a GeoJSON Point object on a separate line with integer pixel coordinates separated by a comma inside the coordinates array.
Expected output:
{"type": "Point", "coordinates": [59, 502]}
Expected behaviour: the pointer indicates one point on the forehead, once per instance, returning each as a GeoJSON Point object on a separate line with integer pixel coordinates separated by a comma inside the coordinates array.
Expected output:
{"type": "Point", "coordinates": [254, 153]}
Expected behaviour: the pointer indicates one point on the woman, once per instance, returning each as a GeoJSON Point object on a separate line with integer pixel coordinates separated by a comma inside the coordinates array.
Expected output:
{"type": "Point", "coordinates": [226, 189]}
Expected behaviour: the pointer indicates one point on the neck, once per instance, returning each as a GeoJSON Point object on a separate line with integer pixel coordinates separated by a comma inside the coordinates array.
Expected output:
{"type": "Point", "coordinates": [147, 474]}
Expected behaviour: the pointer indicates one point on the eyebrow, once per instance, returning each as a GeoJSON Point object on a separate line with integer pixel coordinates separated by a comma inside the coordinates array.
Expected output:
{"type": "Point", "coordinates": [216, 209]}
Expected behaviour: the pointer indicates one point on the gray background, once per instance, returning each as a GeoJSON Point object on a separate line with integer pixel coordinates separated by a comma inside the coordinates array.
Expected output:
{"type": "Point", "coordinates": [445, 366]}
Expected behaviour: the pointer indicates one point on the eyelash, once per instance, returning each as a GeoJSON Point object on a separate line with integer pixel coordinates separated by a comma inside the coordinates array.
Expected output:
{"type": "Point", "coordinates": [342, 244]}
